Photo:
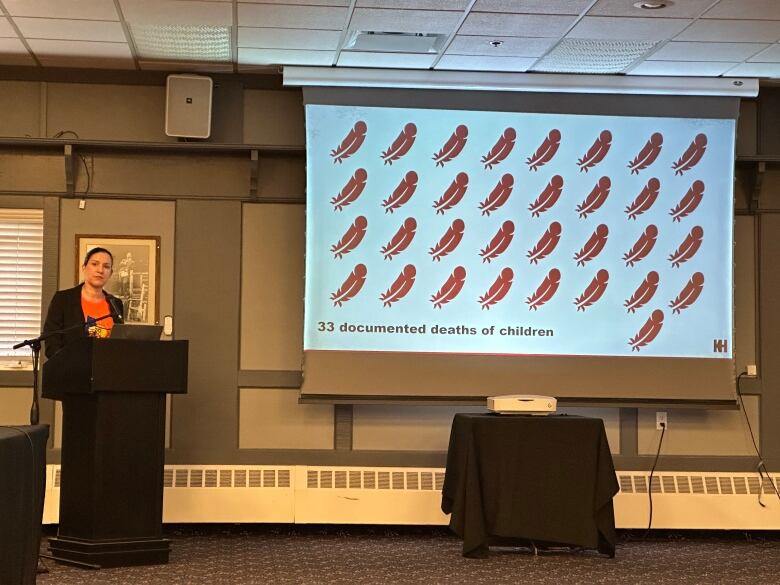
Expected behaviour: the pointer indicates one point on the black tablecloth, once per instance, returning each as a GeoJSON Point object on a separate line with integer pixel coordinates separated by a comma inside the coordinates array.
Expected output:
{"type": "Point", "coordinates": [22, 487]}
{"type": "Point", "coordinates": [548, 480]}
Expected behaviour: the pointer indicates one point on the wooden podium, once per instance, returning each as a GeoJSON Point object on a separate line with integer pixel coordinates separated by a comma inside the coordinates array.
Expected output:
{"type": "Point", "coordinates": [113, 447]}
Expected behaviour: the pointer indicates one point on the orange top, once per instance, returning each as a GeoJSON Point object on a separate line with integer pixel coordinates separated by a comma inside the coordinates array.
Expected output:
{"type": "Point", "coordinates": [97, 309]}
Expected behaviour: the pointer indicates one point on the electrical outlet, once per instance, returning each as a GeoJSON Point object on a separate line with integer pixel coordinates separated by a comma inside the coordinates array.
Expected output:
{"type": "Point", "coordinates": [752, 370]}
{"type": "Point", "coordinates": [660, 420]}
{"type": "Point", "coordinates": [82, 204]}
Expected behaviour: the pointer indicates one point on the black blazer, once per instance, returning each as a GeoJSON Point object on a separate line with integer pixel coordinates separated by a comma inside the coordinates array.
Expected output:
{"type": "Point", "coordinates": [65, 311]}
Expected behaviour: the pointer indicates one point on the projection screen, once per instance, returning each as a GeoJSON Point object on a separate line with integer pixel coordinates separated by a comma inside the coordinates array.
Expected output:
{"type": "Point", "coordinates": [462, 245]}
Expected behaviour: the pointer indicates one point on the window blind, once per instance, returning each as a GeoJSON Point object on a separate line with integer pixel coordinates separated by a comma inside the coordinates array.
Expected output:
{"type": "Point", "coordinates": [21, 262]}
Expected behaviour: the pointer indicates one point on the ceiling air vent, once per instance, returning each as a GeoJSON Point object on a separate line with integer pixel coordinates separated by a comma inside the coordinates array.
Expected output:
{"type": "Point", "coordinates": [393, 42]}
{"type": "Point", "coordinates": [174, 42]}
{"type": "Point", "coordinates": [592, 56]}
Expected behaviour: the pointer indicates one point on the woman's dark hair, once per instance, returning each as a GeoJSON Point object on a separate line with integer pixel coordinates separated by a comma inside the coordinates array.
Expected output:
{"type": "Point", "coordinates": [94, 251]}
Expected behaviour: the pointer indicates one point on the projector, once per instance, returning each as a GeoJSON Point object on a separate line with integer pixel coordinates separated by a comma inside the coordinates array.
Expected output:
{"type": "Point", "coordinates": [522, 404]}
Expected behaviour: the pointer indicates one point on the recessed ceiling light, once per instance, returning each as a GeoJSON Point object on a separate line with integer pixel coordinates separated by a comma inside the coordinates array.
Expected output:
{"type": "Point", "coordinates": [651, 5]}
{"type": "Point", "coordinates": [495, 44]}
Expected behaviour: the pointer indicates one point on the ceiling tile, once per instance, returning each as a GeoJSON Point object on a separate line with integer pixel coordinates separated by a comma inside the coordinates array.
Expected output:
{"type": "Point", "coordinates": [385, 60]}
{"type": "Point", "coordinates": [510, 47]}
{"type": "Point", "coordinates": [515, 25]}
{"type": "Point", "coordinates": [685, 68]}
{"type": "Point", "coordinates": [634, 29]}
{"type": "Point", "coordinates": [70, 30]}
{"type": "Point", "coordinates": [343, 3]}
{"type": "Point", "coordinates": [82, 54]}
{"type": "Point", "coordinates": [278, 56]}
{"type": "Point", "coordinates": [755, 70]}
{"type": "Point", "coordinates": [13, 52]}
{"type": "Point", "coordinates": [573, 7]}
{"type": "Point", "coordinates": [746, 31]}
{"type": "Point", "coordinates": [750, 9]}
{"type": "Point", "coordinates": [288, 38]}
{"type": "Point", "coordinates": [83, 9]}
{"type": "Point", "coordinates": [186, 43]}
{"type": "Point", "coordinates": [413, 21]}
{"type": "Point", "coordinates": [771, 55]}
{"type": "Point", "coordinates": [274, 15]}
{"type": "Point", "coordinates": [414, 4]}
{"type": "Point", "coordinates": [177, 12]}
{"type": "Point", "coordinates": [679, 9]}
{"type": "Point", "coordinates": [481, 63]}
{"type": "Point", "coordinates": [701, 51]}
{"type": "Point", "coordinates": [6, 30]}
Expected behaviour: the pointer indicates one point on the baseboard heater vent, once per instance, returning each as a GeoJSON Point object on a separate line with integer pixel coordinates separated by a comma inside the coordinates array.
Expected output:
{"type": "Point", "coordinates": [197, 477]}
{"type": "Point", "coordinates": [696, 484]}
{"type": "Point", "coordinates": [373, 480]}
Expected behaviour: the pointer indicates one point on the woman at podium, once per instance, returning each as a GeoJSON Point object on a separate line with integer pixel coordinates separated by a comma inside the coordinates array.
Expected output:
{"type": "Point", "coordinates": [86, 309]}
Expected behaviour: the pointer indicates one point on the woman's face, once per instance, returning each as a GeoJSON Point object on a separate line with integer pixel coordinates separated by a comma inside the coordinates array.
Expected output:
{"type": "Point", "coordinates": [97, 270]}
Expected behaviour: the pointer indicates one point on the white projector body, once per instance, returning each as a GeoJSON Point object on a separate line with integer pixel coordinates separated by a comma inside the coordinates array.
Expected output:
{"type": "Point", "coordinates": [522, 404]}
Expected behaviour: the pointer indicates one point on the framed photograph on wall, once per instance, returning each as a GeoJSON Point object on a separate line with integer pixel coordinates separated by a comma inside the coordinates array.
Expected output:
{"type": "Point", "coordinates": [135, 278]}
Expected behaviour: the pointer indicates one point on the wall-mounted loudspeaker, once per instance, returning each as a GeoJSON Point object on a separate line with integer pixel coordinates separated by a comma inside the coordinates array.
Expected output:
{"type": "Point", "coordinates": [188, 106]}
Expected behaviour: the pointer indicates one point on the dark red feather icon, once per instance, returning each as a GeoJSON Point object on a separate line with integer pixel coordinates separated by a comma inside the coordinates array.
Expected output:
{"type": "Point", "coordinates": [643, 293]}
{"type": "Point", "coordinates": [648, 154]}
{"type": "Point", "coordinates": [689, 202]}
{"type": "Point", "coordinates": [595, 198]}
{"type": "Point", "coordinates": [401, 144]}
{"type": "Point", "coordinates": [453, 146]}
{"type": "Point", "coordinates": [401, 240]}
{"type": "Point", "coordinates": [498, 243]}
{"type": "Point", "coordinates": [688, 294]}
{"type": "Point", "coordinates": [402, 193]}
{"type": "Point", "coordinates": [649, 331]}
{"type": "Point", "coordinates": [449, 241]}
{"type": "Point", "coordinates": [501, 149]}
{"type": "Point", "coordinates": [545, 290]}
{"type": "Point", "coordinates": [644, 201]}
{"type": "Point", "coordinates": [596, 152]}
{"type": "Point", "coordinates": [546, 244]}
{"type": "Point", "coordinates": [351, 238]}
{"type": "Point", "coordinates": [688, 248]}
{"type": "Point", "coordinates": [400, 287]}
{"type": "Point", "coordinates": [351, 285]}
{"type": "Point", "coordinates": [692, 155]}
{"type": "Point", "coordinates": [498, 290]}
{"type": "Point", "coordinates": [450, 289]}
{"type": "Point", "coordinates": [499, 195]}
{"type": "Point", "coordinates": [642, 247]}
{"type": "Point", "coordinates": [351, 191]}
{"type": "Point", "coordinates": [593, 291]}
{"type": "Point", "coordinates": [546, 150]}
{"type": "Point", "coordinates": [548, 197]}
{"type": "Point", "coordinates": [351, 143]}
{"type": "Point", "coordinates": [593, 246]}
{"type": "Point", "coordinates": [453, 194]}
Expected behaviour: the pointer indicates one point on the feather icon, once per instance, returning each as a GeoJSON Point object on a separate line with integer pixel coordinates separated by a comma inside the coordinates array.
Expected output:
{"type": "Point", "coordinates": [498, 290]}
{"type": "Point", "coordinates": [501, 149]}
{"type": "Point", "coordinates": [546, 151]}
{"type": "Point", "coordinates": [449, 241]}
{"type": "Point", "coordinates": [688, 248]}
{"type": "Point", "coordinates": [689, 202]}
{"type": "Point", "coordinates": [593, 291]}
{"type": "Point", "coordinates": [548, 197]}
{"type": "Point", "coordinates": [545, 290]}
{"type": "Point", "coordinates": [450, 289]}
{"type": "Point", "coordinates": [595, 198]}
{"type": "Point", "coordinates": [643, 246]}
{"type": "Point", "coordinates": [453, 194]}
{"type": "Point", "coordinates": [401, 144]}
{"type": "Point", "coordinates": [402, 193]}
{"type": "Point", "coordinates": [596, 152]}
{"type": "Point", "coordinates": [351, 191]}
{"type": "Point", "coordinates": [648, 154]}
{"type": "Point", "coordinates": [351, 143]}
{"type": "Point", "coordinates": [546, 244]}
{"type": "Point", "coordinates": [499, 195]}
{"type": "Point", "coordinates": [644, 292]}
{"type": "Point", "coordinates": [688, 294]}
{"type": "Point", "coordinates": [400, 287]}
{"type": "Point", "coordinates": [401, 240]}
{"type": "Point", "coordinates": [644, 201]}
{"type": "Point", "coordinates": [351, 238]}
{"type": "Point", "coordinates": [351, 285]}
{"type": "Point", "coordinates": [499, 243]}
{"type": "Point", "coordinates": [649, 331]}
{"type": "Point", "coordinates": [453, 146]}
{"type": "Point", "coordinates": [593, 246]}
{"type": "Point", "coordinates": [692, 155]}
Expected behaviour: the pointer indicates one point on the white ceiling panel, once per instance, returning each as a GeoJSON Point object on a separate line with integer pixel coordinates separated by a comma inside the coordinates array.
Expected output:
{"type": "Point", "coordinates": [677, 68]}
{"type": "Point", "coordinates": [13, 52]}
{"type": "Point", "coordinates": [755, 70]}
{"type": "Point", "coordinates": [510, 46]}
{"type": "Point", "coordinates": [750, 9]}
{"type": "Point", "coordinates": [86, 9]}
{"type": "Point", "coordinates": [412, 21]}
{"type": "Point", "coordinates": [6, 30]}
{"type": "Point", "coordinates": [679, 9]}
{"type": "Point", "coordinates": [515, 25]}
{"type": "Point", "coordinates": [573, 7]}
{"type": "Point", "coordinates": [479, 63]}
{"type": "Point", "coordinates": [267, 57]}
{"type": "Point", "coordinates": [82, 54]}
{"type": "Point", "coordinates": [343, 3]}
{"type": "Point", "coordinates": [693, 51]}
{"type": "Point", "coordinates": [745, 31]}
{"type": "Point", "coordinates": [288, 38]}
{"type": "Point", "coordinates": [770, 55]}
{"type": "Point", "coordinates": [634, 29]}
{"type": "Point", "coordinates": [275, 15]}
{"type": "Point", "coordinates": [70, 30]}
{"type": "Point", "coordinates": [386, 60]}
{"type": "Point", "coordinates": [414, 4]}
{"type": "Point", "coordinates": [177, 12]}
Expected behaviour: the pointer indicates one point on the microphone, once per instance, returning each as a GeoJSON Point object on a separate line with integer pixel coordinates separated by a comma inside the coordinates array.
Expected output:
{"type": "Point", "coordinates": [116, 312]}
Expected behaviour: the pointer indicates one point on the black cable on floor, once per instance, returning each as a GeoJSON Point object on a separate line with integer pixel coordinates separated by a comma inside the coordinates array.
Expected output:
{"type": "Point", "coordinates": [650, 484]}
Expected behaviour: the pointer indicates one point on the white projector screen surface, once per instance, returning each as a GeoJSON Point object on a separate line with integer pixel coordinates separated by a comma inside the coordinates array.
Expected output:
{"type": "Point", "coordinates": [513, 239]}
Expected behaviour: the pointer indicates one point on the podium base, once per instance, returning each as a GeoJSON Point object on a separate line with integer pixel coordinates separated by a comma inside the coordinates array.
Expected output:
{"type": "Point", "coordinates": [110, 553]}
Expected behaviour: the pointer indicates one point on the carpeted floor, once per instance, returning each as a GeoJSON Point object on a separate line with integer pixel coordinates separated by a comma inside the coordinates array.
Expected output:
{"type": "Point", "coordinates": [248, 554]}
